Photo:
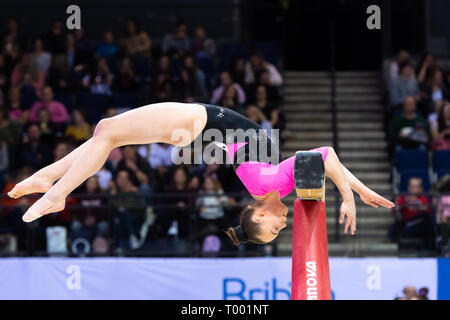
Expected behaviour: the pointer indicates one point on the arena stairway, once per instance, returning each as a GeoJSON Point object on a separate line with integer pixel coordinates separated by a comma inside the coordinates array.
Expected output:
{"type": "Point", "coordinates": [362, 149]}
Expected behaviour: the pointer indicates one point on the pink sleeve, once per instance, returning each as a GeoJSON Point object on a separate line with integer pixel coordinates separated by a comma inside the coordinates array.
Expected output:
{"type": "Point", "coordinates": [59, 113]}
{"type": "Point", "coordinates": [34, 111]}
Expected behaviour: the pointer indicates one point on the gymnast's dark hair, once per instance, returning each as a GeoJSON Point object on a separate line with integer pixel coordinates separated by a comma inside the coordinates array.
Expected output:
{"type": "Point", "coordinates": [247, 230]}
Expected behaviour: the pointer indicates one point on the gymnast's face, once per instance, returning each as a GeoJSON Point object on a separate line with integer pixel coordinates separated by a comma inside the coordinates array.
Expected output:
{"type": "Point", "coordinates": [272, 218]}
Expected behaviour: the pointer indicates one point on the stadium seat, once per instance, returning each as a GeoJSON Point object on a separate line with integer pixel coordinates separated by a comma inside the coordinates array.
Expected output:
{"type": "Point", "coordinates": [441, 161]}
{"type": "Point", "coordinates": [411, 160]}
{"type": "Point", "coordinates": [142, 68]}
{"type": "Point", "coordinates": [95, 104]}
{"type": "Point", "coordinates": [66, 99]}
{"type": "Point", "coordinates": [405, 175]}
{"type": "Point", "coordinates": [125, 100]}
{"type": "Point", "coordinates": [206, 64]}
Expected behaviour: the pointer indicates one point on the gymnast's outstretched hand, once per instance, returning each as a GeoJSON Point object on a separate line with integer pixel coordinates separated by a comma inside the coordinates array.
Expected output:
{"type": "Point", "coordinates": [373, 199]}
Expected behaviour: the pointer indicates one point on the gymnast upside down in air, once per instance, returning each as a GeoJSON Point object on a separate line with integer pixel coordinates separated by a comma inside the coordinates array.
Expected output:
{"type": "Point", "coordinates": [260, 222]}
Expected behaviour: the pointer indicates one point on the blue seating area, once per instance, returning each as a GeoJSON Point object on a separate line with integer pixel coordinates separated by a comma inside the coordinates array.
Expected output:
{"type": "Point", "coordinates": [125, 100]}
{"type": "Point", "coordinates": [95, 105]}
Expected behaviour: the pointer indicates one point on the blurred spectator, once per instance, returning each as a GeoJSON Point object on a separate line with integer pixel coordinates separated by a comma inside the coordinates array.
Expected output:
{"type": "Point", "coordinates": [203, 45]}
{"type": "Point", "coordinates": [61, 150]}
{"type": "Point", "coordinates": [425, 63]}
{"type": "Point", "coordinates": [139, 171]}
{"type": "Point", "coordinates": [12, 38]}
{"type": "Point", "coordinates": [434, 92]}
{"type": "Point", "coordinates": [256, 115]}
{"type": "Point", "coordinates": [415, 215]}
{"type": "Point", "coordinates": [443, 212]}
{"type": "Point", "coordinates": [271, 112]}
{"type": "Point", "coordinates": [90, 219]}
{"type": "Point", "coordinates": [394, 66]}
{"type": "Point", "coordinates": [15, 108]}
{"type": "Point", "coordinates": [40, 58]}
{"type": "Point", "coordinates": [225, 82]}
{"type": "Point", "coordinates": [410, 293]}
{"type": "Point", "coordinates": [55, 39]}
{"type": "Point", "coordinates": [189, 64]}
{"type": "Point", "coordinates": [157, 154]}
{"type": "Point", "coordinates": [176, 44]}
{"type": "Point", "coordinates": [57, 111]}
{"type": "Point", "coordinates": [273, 96]}
{"type": "Point", "coordinates": [230, 99]}
{"type": "Point", "coordinates": [161, 88]}
{"type": "Point", "coordinates": [409, 130]}
{"type": "Point", "coordinates": [4, 81]}
{"type": "Point", "coordinates": [441, 131]}
{"type": "Point", "coordinates": [237, 71]}
{"type": "Point", "coordinates": [136, 42]}
{"type": "Point", "coordinates": [108, 48]}
{"type": "Point", "coordinates": [187, 88]}
{"type": "Point", "coordinates": [126, 79]}
{"type": "Point", "coordinates": [258, 63]}
{"type": "Point", "coordinates": [34, 152]}
{"type": "Point", "coordinates": [100, 79]}
{"type": "Point", "coordinates": [84, 47]}
{"type": "Point", "coordinates": [49, 130]}
{"type": "Point", "coordinates": [423, 293]}
{"type": "Point", "coordinates": [24, 73]}
{"type": "Point", "coordinates": [129, 205]}
{"type": "Point", "coordinates": [405, 85]}
{"type": "Point", "coordinates": [79, 129]}
{"type": "Point", "coordinates": [10, 134]}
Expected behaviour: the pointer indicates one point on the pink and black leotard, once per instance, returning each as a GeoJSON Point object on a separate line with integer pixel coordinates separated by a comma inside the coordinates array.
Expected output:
{"type": "Point", "coordinates": [260, 175]}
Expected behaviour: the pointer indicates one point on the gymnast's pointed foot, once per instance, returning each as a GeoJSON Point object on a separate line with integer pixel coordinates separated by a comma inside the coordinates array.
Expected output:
{"type": "Point", "coordinates": [33, 184]}
{"type": "Point", "coordinates": [42, 207]}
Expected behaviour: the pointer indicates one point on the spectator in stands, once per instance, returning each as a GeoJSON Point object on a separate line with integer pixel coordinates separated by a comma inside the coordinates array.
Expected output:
{"type": "Point", "coordinates": [83, 46]}
{"type": "Point", "coordinates": [225, 82]}
{"type": "Point", "coordinates": [61, 150]}
{"type": "Point", "coordinates": [415, 215]}
{"type": "Point", "coordinates": [202, 45]}
{"type": "Point", "coordinates": [139, 171]}
{"type": "Point", "coordinates": [256, 115]}
{"type": "Point", "coordinates": [100, 80]}
{"type": "Point", "coordinates": [108, 48]}
{"type": "Point", "coordinates": [230, 99]}
{"type": "Point", "coordinates": [91, 220]}
{"type": "Point", "coordinates": [441, 132]}
{"type": "Point", "coordinates": [12, 39]}
{"type": "Point", "coordinates": [25, 74]}
{"type": "Point", "coordinates": [257, 63]}
{"type": "Point", "coordinates": [136, 42]}
{"type": "Point", "coordinates": [161, 88]}
{"type": "Point", "coordinates": [410, 293]}
{"type": "Point", "coordinates": [57, 111]}
{"type": "Point", "coordinates": [408, 130]}
{"type": "Point", "coordinates": [79, 129]}
{"type": "Point", "coordinates": [49, 130]}
{"type": "Point", "coordinates": [40, 58]}
{"type": "Point", "coordinates": [176, 44]}
{"type": "Point", "coordinates": [33, 151]}
{"type": "Point", "coordinates": [237, 71]}
{"type": "Point", "coordinates": [434, 91]}
{"type": "Point", "coordinates": [190, 64]}
{"type": "Point", "coordinates": [10, 131]}
{"type": "Point", "coordinates": [425, 63]}
{"type": "Point", "coordinates": [73, 57]}
{"type": "Point", "coordinates": [263, 79]}
{"type": "Point", "coordinates": [129, 206]}
{"type": "Point", "coordinates": [16, 111]}
{"type": "Point", "coordinates": [4, 82]}
{"type": "Point", "coordinates": [271, 112]}
{"type": "Point", "coordinates": [443, 211]}
{"type": "Point", "coordinates": [55, 40]}
{"type": "Point", "coordinates": [187, 89]}
{"type": "Point", "coordinates": [126, 79]}
{"type": "Point", "coordinates": [405, 85]}
{"type": "Point", "coordinates": [394, 66]}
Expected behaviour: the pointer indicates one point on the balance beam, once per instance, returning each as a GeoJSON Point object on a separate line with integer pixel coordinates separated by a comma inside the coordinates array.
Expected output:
{"type": "Point", "coordinates": [310, 267]}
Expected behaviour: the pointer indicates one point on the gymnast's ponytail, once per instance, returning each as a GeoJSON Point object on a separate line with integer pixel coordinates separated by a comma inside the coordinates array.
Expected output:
{"type": "Point", "coordinates": [247, 231]}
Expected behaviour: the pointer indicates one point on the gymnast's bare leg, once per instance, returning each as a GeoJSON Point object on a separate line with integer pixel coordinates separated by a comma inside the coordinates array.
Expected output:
{"type": "Point", "coordinates": [148, 124]}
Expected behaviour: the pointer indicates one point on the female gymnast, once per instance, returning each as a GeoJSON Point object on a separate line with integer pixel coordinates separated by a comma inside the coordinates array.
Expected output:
{"type": "Point", "coordinates": [182, 124]}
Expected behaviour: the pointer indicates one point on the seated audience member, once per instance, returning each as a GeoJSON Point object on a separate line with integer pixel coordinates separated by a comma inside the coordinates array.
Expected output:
{"type": "Point", "coordinates": [50, 131]}
{"type": "Point", "coordinates": [256, 115]}
{"type": "Point", "coordinates": [404, 86]}
{"type": "Point", "coordinates": [126, 79]}
{"type": "Point", "coordinates": [129, 205]}
{"type": "Point", "coordinates": [443, 211]}
{"type": "Point", "coordinates": [79, 129]}
{"type": "Point", "coordinates": [139, 171]}
{"type": "Point", "coordinates": [62, 149]}
{"type": "Point", "coordinates": [273, 96]}
{"type": "Point", "coordinates": [100, 80]}
{"type": "Point", "coordinates": [187, 89]}
{"type": "Point", "coordinates": [272, 112]}
{"type": "Point", "coordinates": [176, 44]}
{"type": "Point", "coordinates": [26, 74]}
{"type": "Point", "coordinates": [34, 152]}
{"type": "Point", "coordinates": [108, 48]}
{"type": "Point", "coordinates": [230, 99]}
{"type": "Point", "coordinates": [90, 219]}
{"type": "Point", "coordinates": [434, 92]}
{"type": "Point", "coordinates": [161, 87]}
{"type": "Point", "coordinates": [423, 67]}
{"type": "Point", "coordinates": [84, 47]}
{"type": "Point", "coordinates": [189, 64]}
{"type": "Point", "coordinates": [237, 71]}
{"type": "Point", "coordinates": [16, 110]}
{"type": "Point", "coordinates": [394, 66]}
{"type": "Point", "coordinates": [40, 58]}
{"type": "Point", "coordinates": [55, 39]}
{"type": "Point", "coordinates": [409, 130]}
{"type": "Point", "coordinates": [157, 154]}
{"type": "Point", "coordinates": [10, 131]}
{"type": "Point", "coordinates": [57, 111]}
{"type": "Point", "coordinates": [415, 215]}
{"type": "Point", "coordinates": [202, 45]}
{"type": "Point", "coordinates": [258, 63]}
{"type": "Point", "coordinates": [137, 42]}
{"type": "Point", "coordinates": [441, 131]}
{"type": "Point", "coordinates": [225, 82]}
